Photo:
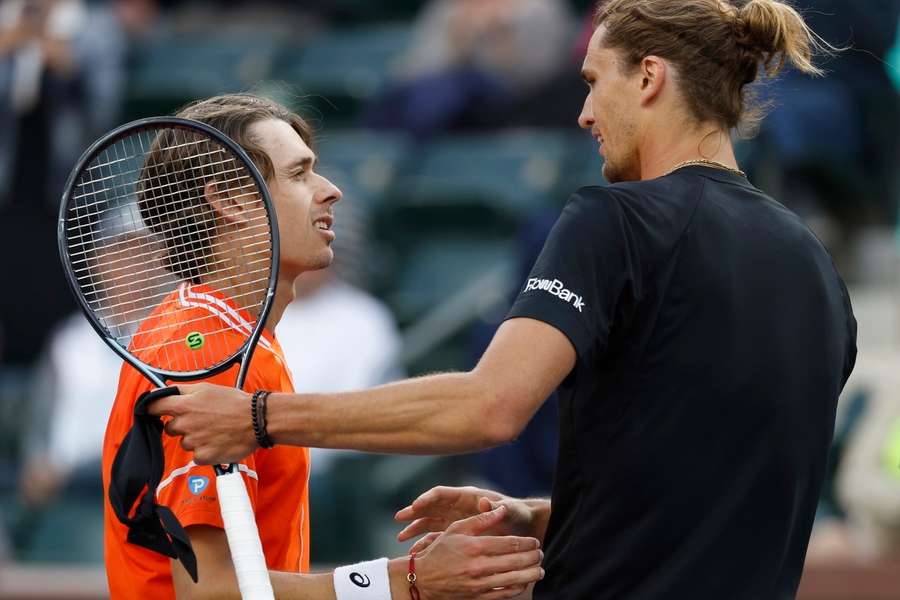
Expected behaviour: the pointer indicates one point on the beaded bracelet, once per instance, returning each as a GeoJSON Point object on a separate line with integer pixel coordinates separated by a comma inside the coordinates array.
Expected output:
{"type": "Point", "coordinates": [258, 415]}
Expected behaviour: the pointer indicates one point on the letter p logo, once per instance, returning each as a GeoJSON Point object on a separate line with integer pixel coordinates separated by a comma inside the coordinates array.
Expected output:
{"type": "Point", "coordinates": [197, 483]}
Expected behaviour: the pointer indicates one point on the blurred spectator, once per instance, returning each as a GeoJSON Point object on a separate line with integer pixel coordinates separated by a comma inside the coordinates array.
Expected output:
{"type": "Point", "coordinates": [835, 139]}
{"type": "Point", "coordinates": [61, 80]}
{"type": "Point", "coordinates": [70, 405]}
{"type": "Point", "coordinates": [336, 337]}
{"type": "Point", "coordinates": [557, 101]}
{"type": "Point", "coordinates": [470, 55]}
{"type": "Point", "coordinates": [61, 85]}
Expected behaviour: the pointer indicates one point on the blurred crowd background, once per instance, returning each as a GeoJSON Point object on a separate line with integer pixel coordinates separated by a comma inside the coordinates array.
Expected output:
{"type": "Point", "coordinates": [450, 126]}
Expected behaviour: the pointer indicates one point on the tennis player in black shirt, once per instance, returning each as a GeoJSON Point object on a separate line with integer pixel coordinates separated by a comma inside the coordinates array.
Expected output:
{"type": "Point", "coordinates": [698, 333]}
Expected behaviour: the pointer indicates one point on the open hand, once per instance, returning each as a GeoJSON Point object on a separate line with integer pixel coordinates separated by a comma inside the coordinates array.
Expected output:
{"type": "Point", "coordinates": [440, 507]}
{"type": "Point", "coordinates": [463, 563]}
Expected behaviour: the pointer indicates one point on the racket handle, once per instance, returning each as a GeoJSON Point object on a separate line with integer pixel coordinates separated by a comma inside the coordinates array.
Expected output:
{"type": "Point", "coordinates": [243, 537]}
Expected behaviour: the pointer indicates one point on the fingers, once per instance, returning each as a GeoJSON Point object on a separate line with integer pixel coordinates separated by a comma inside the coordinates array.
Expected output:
{"type": "Point", "coordinates": [508, 592]}
{"type": "Point", "coordinates": [517, 561]}
{"type": "Point", "coordinates": [507, 544]}
{"type": "Point", "coordinates": [479, 523]}
{"type": "Point", "coordinates": [168, 406]}
{"type": "Point", "coordinates": [518, 578]}
{"type": "Point", "coordinates": [426, 541]}
{"type": "Point", "coordinates": [485, 505]}
{"type": "Point", "coordinates": [420, 526]}
{"type": "Point", "coordinates": [440, 496]}
{"type": "Point", "coordinates": [515, 570]}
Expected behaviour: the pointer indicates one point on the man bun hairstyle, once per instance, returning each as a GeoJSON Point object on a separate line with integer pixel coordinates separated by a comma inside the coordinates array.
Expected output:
{"type": "Point", "coordinates": [717, 47]}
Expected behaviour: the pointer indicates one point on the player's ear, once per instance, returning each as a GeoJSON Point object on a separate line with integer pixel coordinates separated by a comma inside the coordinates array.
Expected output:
{"type": "Point", "coordinates": [232, 209]}
{"type": "Point", "coordinates": [653, 72]}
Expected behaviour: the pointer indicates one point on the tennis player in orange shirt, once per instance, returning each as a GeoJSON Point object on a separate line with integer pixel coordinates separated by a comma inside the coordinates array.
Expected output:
{"type": "Point", "coordinates": [456, 566]}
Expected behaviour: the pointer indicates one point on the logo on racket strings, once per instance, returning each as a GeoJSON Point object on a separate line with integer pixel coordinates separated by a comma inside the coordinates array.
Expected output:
{"type": "Point", "coordinates": [197, 484]}
{"type": "Point", "coordinates": [360, 580]}
{"type": "Point", "coordinates": [194, 340]}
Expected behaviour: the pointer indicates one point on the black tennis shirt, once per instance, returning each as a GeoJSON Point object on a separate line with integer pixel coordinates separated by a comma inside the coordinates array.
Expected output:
{"type": "Point", "coordinates": [714, 336]}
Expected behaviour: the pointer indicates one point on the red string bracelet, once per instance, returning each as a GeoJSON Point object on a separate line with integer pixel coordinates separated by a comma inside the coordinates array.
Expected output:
{"type": "Point", "coordinates": [411, 577]}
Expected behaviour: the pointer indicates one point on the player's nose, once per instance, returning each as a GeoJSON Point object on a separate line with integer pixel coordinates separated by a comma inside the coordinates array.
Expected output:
{"type": "Point", "coordinates": [586, 118]}
{"type": "Point", "coordinates": [328, 192]}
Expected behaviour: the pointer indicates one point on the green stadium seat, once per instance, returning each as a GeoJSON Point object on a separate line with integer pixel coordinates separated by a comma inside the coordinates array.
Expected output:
{"type": "Point", "coordinates": [339, 71]}
{"type": "Point", "coordinates": [172, 69]}
{"type": "Point", "coordinates": [515, 172]}
{"type": "Point", "coordinates": [435, 270]}
{"type": "Point", "coordinates": [364, 160]}
{"type": "Point", "coordinates": [584, 165]}
{"type": "Point", "coordinates": [68, 531]}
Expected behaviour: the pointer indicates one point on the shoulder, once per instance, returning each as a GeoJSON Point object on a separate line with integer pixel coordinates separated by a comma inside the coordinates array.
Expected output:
{"type": "Point", "coordinates": [652, 213]}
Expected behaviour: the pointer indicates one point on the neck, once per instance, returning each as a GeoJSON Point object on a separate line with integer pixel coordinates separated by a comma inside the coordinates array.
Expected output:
{"type": "Point", "coordinates": [284, 295]}
{"type": "Point", "coordinates": [665, 148]}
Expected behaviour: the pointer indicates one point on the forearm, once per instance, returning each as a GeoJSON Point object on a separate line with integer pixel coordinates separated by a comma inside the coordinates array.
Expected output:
{"type": "Point", "coordinates": [291, 586]}
{"type": "Point", "coordinates": [320, 586]}
{"type": "Point", "coordinates": [437, 414]}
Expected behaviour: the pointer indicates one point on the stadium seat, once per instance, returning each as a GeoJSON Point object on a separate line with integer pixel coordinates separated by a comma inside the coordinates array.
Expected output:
{"type": "Point", "coordinates": [172, 69]}
{"type": "Point", "coordinates": [514, 173]}
{"type": "Point", "coordinates": [68, 531]}
{"type": "Point", "coordinates": [337, 72]}
{"type": "Point", "coordinates": [364, 160]}
{"type": "Point", "coordinates": [583, 164]}
{"type": "Point", "coordinates": [435, 270]}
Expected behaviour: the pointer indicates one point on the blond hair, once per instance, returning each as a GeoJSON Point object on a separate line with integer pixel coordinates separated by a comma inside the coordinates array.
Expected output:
{"type": "Point", "coordinates": [718, 48]}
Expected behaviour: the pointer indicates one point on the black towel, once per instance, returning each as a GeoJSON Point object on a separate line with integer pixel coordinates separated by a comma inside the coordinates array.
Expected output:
{"type": "Point", "coordinates": [137, 469]}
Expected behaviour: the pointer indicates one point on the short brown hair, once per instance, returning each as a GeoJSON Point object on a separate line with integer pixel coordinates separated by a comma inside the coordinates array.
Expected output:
{"type": "Point", "coordinates": [718, 47]}
{"type": "Point", "coordinates": [176, 161]}
{"type": "Point", "coordinates": [233, 114]}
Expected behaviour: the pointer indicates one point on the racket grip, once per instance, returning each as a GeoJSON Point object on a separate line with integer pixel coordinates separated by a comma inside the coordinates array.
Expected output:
{"type": "Point", "coordinates": [243, 537]}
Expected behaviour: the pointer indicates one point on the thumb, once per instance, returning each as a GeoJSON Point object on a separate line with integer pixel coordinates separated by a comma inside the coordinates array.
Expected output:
{"type": "Point", "coordinates": [479, 523]}
{"type": "Point", "coordinates": [485, 504]}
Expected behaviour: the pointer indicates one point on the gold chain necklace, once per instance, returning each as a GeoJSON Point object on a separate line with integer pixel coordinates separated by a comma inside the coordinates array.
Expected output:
{"type": "Point", "coordinates": [707, 163]}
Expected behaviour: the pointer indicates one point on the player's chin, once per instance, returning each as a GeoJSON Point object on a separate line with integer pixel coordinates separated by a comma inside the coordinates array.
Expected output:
{"type": "Point", "coordinates": [323, 259]}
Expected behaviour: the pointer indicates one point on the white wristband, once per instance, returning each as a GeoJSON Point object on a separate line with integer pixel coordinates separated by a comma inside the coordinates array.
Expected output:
{"type": "Point", "coordinates": [363, 581]}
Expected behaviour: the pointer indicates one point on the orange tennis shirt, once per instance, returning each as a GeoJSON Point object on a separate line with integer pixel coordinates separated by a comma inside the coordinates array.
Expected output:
{"type": "Point", "coordinates": [277, 479]}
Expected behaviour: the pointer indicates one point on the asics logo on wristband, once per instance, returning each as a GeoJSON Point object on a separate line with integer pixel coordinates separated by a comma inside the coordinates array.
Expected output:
{"type": "Point", "coordinates": [360, 580]}
{"type": "Point", "coordinates": [558, 289]}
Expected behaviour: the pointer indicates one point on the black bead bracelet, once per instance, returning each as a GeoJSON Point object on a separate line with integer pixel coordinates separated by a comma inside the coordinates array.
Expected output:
{"type": "Point", "coordinates": [258, 414]}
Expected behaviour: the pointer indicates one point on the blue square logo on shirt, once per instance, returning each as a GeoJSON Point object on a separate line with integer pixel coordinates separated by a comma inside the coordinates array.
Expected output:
{"type": "Point", "coordinates": [197, 484]}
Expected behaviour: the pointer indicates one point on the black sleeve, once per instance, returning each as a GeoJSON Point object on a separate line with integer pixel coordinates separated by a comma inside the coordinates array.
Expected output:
{"type": "Point", "coordinates": [584, 275]}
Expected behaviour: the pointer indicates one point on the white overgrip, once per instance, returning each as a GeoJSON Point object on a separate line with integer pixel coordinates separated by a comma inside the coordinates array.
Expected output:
{"type": "Point", "coordinates": [243, 538]}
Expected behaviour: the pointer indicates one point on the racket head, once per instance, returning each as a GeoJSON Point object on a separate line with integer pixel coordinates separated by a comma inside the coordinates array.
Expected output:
{"type": "Point", "coordinates": [169, 240]}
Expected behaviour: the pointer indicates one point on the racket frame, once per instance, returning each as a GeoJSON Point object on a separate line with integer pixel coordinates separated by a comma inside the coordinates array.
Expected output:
{"type": "Point", "coordinates": [159, 376]}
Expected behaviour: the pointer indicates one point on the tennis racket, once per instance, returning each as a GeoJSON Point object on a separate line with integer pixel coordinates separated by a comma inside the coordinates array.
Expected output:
{"type": "Point", "coordinates": [170, 244]}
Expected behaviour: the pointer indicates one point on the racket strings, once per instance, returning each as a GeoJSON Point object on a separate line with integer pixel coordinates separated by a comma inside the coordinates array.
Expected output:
{"type": "Point", "coordinates": [161, 281]}
{"type": "Point", "coordinates": [160, 295]}
{"type": "Point", "coordinates": [249, 184]}
{"type": "Point", "coordinates": [159, 208]}
{"type": "Point", "coordinates": [190, 169]}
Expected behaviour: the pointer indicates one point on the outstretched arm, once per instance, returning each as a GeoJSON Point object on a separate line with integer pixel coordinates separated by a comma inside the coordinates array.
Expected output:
{"type": "Point", "coordinates": [437, 414]}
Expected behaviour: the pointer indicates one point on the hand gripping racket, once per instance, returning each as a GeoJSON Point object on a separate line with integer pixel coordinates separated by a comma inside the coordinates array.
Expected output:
{"type": "Point", "coordinates": [170, 244]}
